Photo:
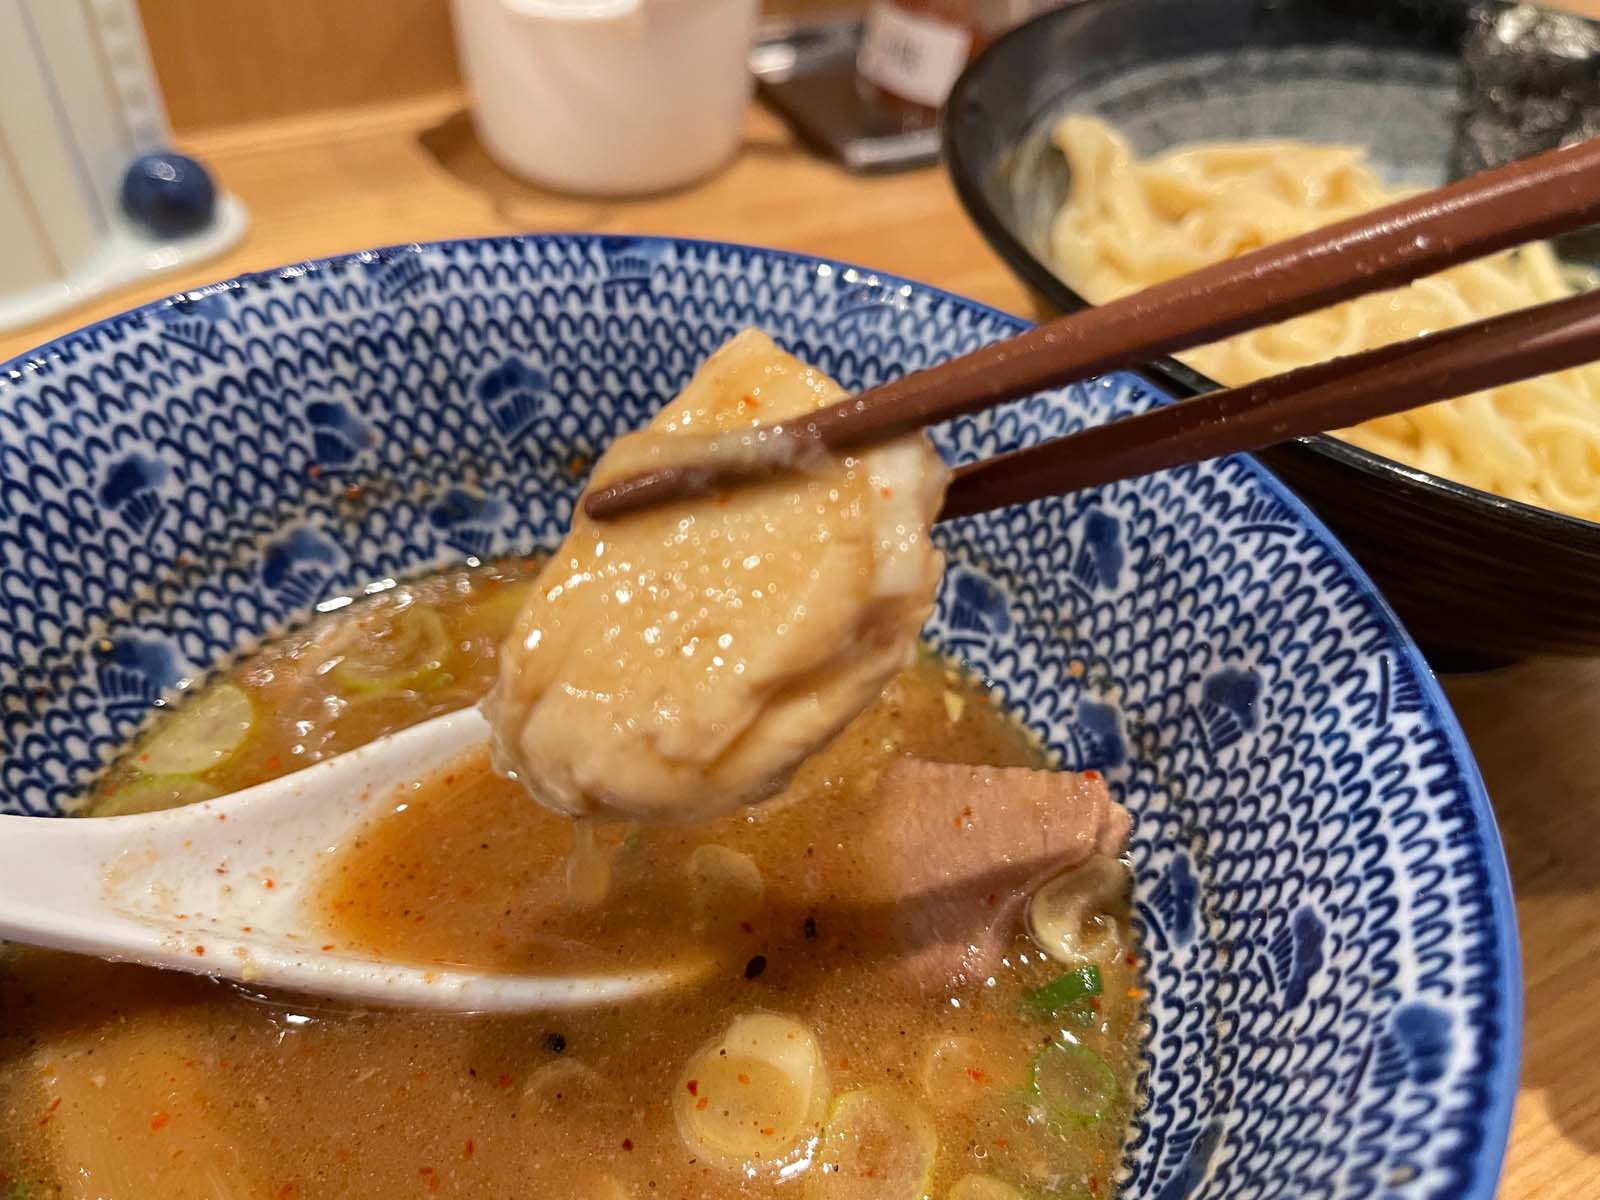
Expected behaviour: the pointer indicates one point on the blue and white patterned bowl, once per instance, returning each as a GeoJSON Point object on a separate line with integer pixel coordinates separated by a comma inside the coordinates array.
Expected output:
{"type": "Point", "coordinates": [1323, 897]}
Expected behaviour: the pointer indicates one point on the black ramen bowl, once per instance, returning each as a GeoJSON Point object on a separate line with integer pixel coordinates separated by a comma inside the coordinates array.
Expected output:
{"type": "Point", "coordinates": [1477, 577]}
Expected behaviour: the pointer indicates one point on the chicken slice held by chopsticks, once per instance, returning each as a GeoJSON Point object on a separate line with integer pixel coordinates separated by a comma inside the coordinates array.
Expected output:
{"type": "Point", "coordinates": [682, 661]}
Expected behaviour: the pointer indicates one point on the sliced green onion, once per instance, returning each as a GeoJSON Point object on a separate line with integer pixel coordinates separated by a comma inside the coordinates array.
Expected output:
{"type": "Point", "coordinates": [1078, 985]}
{"type": "Point", "coordinates": [725, 885]}
{"type": "Point", "coordinates": [565, 1084]}
{"type": "Point", "coordinates": [409, 651]}
{"type": "Point", "coordinates": [877, 1146]}
{"type": "Point", "coordinates": [1073, 916]}
{"type": "Point", "coordinates": [752, 1093]}
{"type": "Point", "coordinates": [502, 602]}
{"type": "Point", "coordinates": [983, 1187]}
{"type": "Point", "coordinates": [152, 793]}
{"type": "Point", "coordinates": [1073, 1081]}
{"type": "Point", "coordinates": [203, 733]}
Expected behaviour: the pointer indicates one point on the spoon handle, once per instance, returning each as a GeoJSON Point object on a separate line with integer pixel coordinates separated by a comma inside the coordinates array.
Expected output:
{"type": "Point", "coordinates": [54, 879]}
{"type": "Point", "coordinates": [227, 888]}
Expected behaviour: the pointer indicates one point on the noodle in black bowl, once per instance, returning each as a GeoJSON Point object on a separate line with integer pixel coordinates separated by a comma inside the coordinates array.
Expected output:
{"type": "Point", "coordinates": [1479, 578]}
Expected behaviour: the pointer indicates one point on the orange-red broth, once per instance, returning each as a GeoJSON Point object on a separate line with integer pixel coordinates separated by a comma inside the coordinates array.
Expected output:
{"type": "Point", "coordinates": [131, 1084]}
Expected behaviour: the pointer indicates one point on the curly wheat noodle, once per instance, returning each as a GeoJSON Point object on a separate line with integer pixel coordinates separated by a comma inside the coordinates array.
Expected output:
{"type": "Point", "coordinates": [1129, 223]}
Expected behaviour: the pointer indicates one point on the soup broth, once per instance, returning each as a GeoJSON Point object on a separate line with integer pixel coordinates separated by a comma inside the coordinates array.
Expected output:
{"type": "Point", "coordinates": [805, 1060]}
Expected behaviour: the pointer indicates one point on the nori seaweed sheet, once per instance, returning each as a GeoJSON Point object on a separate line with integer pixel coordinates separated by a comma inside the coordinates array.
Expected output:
{"type": "Point", "coordinates": [1530, 82]}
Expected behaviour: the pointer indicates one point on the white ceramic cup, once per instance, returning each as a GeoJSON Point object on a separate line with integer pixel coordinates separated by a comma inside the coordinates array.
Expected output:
{"type": "Point", "coordinates": [607, 97]}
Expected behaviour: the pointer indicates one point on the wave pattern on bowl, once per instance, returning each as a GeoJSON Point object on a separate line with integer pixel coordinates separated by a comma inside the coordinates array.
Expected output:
{"type": "Point", "coordinates": [1320, 887]}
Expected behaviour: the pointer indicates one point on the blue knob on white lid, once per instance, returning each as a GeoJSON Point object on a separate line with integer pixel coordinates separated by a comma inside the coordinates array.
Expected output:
{"type": "Point", "coordinates": [168, 194]}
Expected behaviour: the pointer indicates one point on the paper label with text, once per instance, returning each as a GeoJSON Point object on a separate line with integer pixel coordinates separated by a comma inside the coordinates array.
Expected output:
{"type": "Point", "coordinates": [913, 55]}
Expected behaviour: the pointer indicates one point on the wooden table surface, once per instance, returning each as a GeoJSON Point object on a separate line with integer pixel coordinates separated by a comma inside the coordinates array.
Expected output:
{"type": "Point", "coordinates": [413, 171]}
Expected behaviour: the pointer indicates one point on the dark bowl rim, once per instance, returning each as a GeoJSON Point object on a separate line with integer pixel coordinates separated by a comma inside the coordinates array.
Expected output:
{"type": "Point", "coordinates": [1526, 520]}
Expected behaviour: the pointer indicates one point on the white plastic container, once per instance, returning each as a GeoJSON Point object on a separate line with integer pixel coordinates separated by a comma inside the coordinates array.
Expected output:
{"type": "Point", "coordinates": [607, 97]}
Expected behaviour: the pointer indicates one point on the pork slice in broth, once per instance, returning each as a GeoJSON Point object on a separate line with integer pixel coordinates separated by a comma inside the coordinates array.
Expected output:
{"type": "Point", "coordinates": [955, 851]}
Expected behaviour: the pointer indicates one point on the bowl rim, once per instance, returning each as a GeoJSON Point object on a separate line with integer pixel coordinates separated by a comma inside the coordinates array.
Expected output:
{"type": "Point", "coordinates": [1502, 1074]}
{"type": "Point", "coordinates": [1523, 519]}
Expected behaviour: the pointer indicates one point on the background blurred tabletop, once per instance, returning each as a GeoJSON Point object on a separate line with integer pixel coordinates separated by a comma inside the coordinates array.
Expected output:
{"type": "Point", "coordinates": [411, 170]}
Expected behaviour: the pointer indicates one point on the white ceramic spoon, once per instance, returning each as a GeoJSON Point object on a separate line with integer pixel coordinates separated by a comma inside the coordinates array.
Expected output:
{"type": "Point", "coordinates": [221, 888]}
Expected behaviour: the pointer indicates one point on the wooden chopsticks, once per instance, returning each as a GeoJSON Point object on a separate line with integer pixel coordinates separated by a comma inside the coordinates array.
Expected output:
{"type": "Point", "coordinates": [1549, 194]}
{"type": "Point", "coordinates": [1331, 395]}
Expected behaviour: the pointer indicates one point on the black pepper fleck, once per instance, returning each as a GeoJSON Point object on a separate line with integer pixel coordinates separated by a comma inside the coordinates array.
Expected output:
{"type": "Point", "coordinates": [556, 1043]}
{"type": "Point", "coordinates": [755, 966]}
{"type": "Point", "coordinates": [811, 927]}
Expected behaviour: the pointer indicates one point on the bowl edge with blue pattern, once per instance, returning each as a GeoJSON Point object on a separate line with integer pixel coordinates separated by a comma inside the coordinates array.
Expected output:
{"type": "Point", "coordinates": [1321, 891]}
